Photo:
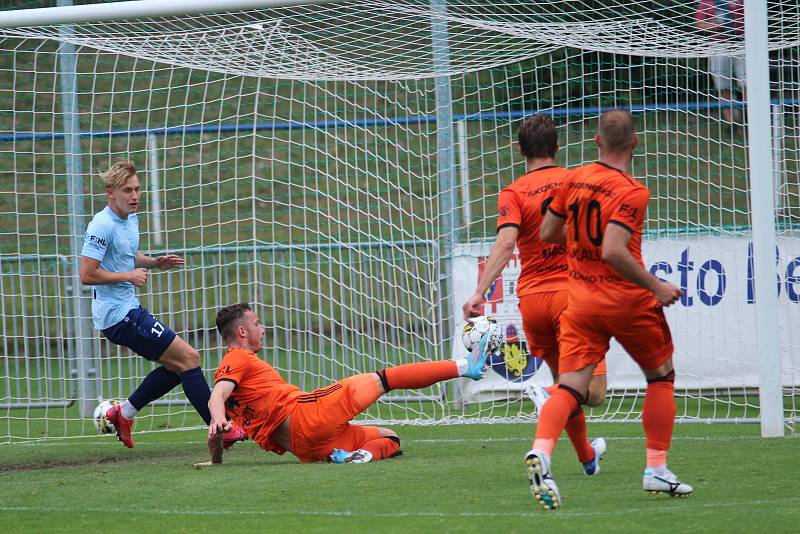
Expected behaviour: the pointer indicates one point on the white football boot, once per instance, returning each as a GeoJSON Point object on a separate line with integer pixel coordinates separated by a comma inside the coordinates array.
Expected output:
{"type": "Point", "coordinates": [543, 487]}
{"type": "Point", "coordinates": [665, 483]}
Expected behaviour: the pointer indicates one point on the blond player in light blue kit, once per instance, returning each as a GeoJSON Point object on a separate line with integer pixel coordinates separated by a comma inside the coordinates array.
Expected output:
{"type": "Point", "coordinates": [112, 263]}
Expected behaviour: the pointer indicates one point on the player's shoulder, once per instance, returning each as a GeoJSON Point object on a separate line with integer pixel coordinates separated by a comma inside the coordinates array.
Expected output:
{"type": "Point", "coordinates": [237, 353]}
{"type": "Point", "coordinates": [577, 175]}
{"type": "Point", "coordinates": [616, 178]}
{"type": "Point", "coordinates": [539, 180]}
{"type": "Point", "coordinates": [631, 185]}
{"type": "Point", "coordinates": [235, 359]}
{"type": "Point", "coordinates": [103, 216]}
{"type": "Point", "coordinates": [579, 171]}
{"type": "Point", "coordinates": [102, 219]}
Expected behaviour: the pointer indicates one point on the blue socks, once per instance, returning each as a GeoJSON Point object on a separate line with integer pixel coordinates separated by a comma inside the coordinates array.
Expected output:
{"type": "Point", "coordinates": [155, 385]}
{"type": "Point", "coordinates": [161, 381]}
{"type": "Point", "coordinates": [196, 389]}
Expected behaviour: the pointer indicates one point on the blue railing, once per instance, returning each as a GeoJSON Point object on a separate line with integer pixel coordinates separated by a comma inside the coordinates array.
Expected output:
{"type": "Point", "coordinates": [200, 129]}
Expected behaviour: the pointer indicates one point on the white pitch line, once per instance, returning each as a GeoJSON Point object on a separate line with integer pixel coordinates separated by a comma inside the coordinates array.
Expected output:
{"type": "Point", "coordinates": [619, 438]}
{"type": "Point", "coordinates": [684, 506]}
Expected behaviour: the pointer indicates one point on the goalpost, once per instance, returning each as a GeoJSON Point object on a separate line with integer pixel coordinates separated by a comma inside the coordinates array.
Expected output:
{"type": "Point", "coordinates": [338, 165]}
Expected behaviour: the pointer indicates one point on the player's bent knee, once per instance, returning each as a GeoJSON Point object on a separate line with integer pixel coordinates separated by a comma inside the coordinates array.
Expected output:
{"type": "Point", "coordinates": [595, 398]}
{"type": "Point", "coordinates": [182, 359]}
{"type": "Point", "coordinates": [384, 380]}
{"type": "Point", "coordinates": [580, 397]}
{"type": "Point", "coordinates": [193, 359]}
{"type": "Point", "coordinates": [659, 372]}
{"type": "Point", "coordinates": [668, 377]}
{"type": "Point", "coordinates": [597, 391]}
{"type": "Point", "coordinates": [169, 366]}
{"type": "Point", "coordinates": [191, 362]}
{"type": "Point", "coordinates": [389, 433]}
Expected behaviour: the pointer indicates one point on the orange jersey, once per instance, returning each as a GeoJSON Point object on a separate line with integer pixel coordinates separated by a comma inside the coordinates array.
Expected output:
{"type": "Point", "coordinates": [261, 400]}
{"type": "Point", "coordinates": [523, 204]}
{"type": "Point", "coordinates": [592, 197]}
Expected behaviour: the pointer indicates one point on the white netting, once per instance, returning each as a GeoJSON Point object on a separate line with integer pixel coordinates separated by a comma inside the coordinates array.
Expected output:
{"type": "Point", "coordinates": [294, 157]}
{"type": "Point", "coordinates": [395, 40]}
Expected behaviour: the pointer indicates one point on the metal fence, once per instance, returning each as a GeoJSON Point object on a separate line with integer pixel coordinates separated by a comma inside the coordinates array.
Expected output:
{"type": "Point", "coordinates": [329, 310]}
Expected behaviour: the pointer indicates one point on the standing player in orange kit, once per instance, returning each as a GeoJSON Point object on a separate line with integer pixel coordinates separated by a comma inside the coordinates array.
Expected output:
{"type": "Point", "coordinates": [599, 213]}
{"type": "Point", "coordinates": [542, 283]}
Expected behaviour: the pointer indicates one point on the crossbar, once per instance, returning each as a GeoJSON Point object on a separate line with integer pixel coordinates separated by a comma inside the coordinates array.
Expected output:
{"type": "Point", "coordinates": [138, 9]}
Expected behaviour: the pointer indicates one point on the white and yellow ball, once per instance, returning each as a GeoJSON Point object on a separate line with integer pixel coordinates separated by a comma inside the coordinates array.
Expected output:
{"type": "Point", "coordinates": [101, 423]}
{"type": "Point", "coordinates": [476, 327]}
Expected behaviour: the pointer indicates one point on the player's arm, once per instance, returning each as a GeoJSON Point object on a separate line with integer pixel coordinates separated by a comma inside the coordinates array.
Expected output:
{"type": "Point", "coordinates": [167, 261]}
{"type": "Point", "coordinates": [501, 252]}
{"type": "Point", "coordinates": [92, 275]}
{"type": "Point", "coordinates": [219, 423]}
{"type": "Point", "coordinates": [216, 405]}
{"type": "Point", "coordinates": [553, 229]}
{"type": "Point", "coordinates": [616, 254]}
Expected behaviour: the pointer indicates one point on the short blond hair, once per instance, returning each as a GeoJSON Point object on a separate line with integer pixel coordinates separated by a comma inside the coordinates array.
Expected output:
{"type": "Point", "coordinates": [119, 173]}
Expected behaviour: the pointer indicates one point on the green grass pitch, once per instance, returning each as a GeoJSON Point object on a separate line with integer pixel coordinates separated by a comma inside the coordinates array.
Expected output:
{"type": "Point", "coordinates": [461, 478]}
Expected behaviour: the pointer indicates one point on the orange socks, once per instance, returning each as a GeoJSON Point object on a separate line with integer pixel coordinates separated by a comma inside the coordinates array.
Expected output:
{"type": "Point", "coordinates": [555, 413]}
{"type": "Point", "coordinates": [382, 448]}
{"type": "Point", "coordinates": [576, 431]}
{"type": "Point", "coordinates": [418, 375]}
{"type": "Point", "coordinates": [658, 419]}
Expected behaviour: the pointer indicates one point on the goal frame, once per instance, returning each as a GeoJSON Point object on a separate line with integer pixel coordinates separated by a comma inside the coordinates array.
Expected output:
{"type": "Point", "coordinates": [759, 149]}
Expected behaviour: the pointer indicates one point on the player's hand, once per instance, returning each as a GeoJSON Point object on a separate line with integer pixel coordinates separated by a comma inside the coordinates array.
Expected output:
{"type": "Point", "coordinates": [215, 431]}
{"type": "Point", "coordinates": [218, 428]}
{"type": "Point", "coordinates": [473, 307]}
{"type": "Point", "coordinates": [667, 294]}
{"type": "Point", "coordinates": [138, 277]}
{"type": "Point", "coordinates": [168, 261]}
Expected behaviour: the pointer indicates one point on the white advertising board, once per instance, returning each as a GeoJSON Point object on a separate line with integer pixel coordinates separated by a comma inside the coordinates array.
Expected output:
{"type": "Point", "coordinates": [713, 325]}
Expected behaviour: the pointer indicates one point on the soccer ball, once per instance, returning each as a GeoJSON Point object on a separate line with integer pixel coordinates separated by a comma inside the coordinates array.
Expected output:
{"type": "Point", "coordinates": [99, 419]}
{"type": "Point", "coordinates": [474, 330]}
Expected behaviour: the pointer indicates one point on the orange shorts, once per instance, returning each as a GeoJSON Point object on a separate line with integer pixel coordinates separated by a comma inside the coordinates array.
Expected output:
{"type": "Point", "coordinates": [644, 335]}
{"type": "Point", "coordinates": [320, 421]}
{"type": "Point", "coordinates": [541, 313]}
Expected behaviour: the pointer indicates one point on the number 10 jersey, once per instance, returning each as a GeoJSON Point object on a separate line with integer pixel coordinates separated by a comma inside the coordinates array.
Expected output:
{"type": "Point", "coordinates": [592, 197]}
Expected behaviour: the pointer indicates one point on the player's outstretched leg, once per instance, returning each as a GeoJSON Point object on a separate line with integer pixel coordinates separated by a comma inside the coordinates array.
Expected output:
{"type": "Point", "coordinates": [122, 425]}
{"type": "Point", "coordinates": [543, 487]}
{"type": "Point", "coordinates": [592, 467]}
{"type": "Point", "coordinates": [664, 481]}
{"type": "Point", "coordinates": [423, 374]}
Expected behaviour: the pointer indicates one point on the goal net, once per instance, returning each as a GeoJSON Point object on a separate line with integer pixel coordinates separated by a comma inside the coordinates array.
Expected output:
{"type": "Point", "coordinates": [338, 165]}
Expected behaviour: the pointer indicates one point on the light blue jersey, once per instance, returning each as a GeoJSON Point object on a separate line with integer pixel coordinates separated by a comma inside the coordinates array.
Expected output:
{"type": "Point", "coordinates": [114, 242]}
